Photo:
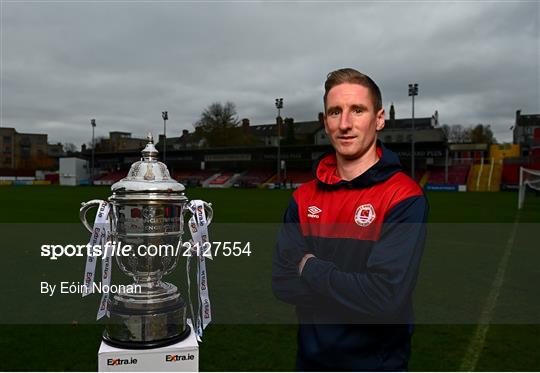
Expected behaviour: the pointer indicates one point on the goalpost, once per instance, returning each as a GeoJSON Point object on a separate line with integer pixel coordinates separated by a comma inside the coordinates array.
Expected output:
{"type": "Point", "coordinates": [527, 178]}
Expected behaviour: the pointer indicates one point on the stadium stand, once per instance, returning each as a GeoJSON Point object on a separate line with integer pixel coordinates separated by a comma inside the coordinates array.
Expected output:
{"type": "Point", "coordinates": [297, 177]}
{"type": "Point", "coordinates": [222, 180]}
{"type": "Point", "coordinates": [53, 178]}
{"type": "Point", "coordinates": [510, 173]}
{"type": "Point", "coordinates": [17, 172]}
{"type": "Point", "coordinates": [485, 177]}
{"type": "Point", "coordinates": [424, 180]}
{"type": "Point", "coordinates": [110, 178]}
{"type": "Point", "coordinates": [253, 178]}
{"type": "Point", "coordinates": [419, 174]}
{"type": "Point", "coordinates": [495, 178]}
{"type": "Point", "coordinates": [474, 181]}
{"type": "Point", "coordinates": [456, 175]}
{"type": "Point", "coordinates": [192, 177]}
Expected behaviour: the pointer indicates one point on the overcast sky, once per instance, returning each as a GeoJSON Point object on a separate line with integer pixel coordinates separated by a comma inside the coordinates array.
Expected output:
{"type": "Point", "coordinates": [124, 62]}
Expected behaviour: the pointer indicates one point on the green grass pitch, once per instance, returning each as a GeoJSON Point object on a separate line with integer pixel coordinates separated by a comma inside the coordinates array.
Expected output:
{"type": "Point", "coordinates": [469, 234]}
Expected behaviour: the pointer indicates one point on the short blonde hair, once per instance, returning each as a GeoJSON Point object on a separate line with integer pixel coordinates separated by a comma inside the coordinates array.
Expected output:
{"type": "Point", "coordinates": [353, 76]}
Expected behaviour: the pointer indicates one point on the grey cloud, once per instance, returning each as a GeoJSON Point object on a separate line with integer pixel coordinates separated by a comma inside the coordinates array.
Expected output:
{"type": "Point", "coordinates": [123, 63]}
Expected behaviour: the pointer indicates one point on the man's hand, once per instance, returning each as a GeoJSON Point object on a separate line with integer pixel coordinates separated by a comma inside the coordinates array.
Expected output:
{"type": "Point", "coordinates": [303, 262]}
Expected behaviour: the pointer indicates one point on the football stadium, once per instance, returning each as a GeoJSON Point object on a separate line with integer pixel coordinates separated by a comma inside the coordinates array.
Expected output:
{"type": "Point", "coordinates": [476, 300]}
{"type": "Point", "coordinates": [269, 185]}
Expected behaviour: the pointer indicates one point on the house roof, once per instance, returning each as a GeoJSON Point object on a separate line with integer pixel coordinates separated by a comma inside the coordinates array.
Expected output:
{"type": "Point", "coordinates": [300, 128]}
{"type": "Point", "coordinates": [529, 120]}
{"type": "Point", "coordinates": [407, 123]}
{"type": "Point", "coordinates": [186, 138]}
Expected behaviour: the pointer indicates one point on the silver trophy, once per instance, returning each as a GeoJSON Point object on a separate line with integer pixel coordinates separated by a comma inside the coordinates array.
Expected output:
{"type": "Point", "coordinates": [147, 208]}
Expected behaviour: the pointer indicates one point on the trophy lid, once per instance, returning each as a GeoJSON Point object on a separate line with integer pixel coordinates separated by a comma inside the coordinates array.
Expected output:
{"type": "Point", "coordinates": [148, 174]}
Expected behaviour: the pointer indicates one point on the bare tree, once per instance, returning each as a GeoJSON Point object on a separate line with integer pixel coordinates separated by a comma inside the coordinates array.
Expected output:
{"type": "Point", "coordinates": [98, 140]}
{"type": "Point", "coordinates": [456, 133]}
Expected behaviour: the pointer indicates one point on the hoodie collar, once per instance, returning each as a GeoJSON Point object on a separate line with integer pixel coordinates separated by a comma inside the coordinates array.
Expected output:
{"type": "Point", "coordinates": [325, 170]}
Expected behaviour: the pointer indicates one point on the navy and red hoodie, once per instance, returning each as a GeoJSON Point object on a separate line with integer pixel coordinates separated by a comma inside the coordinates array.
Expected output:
{"type": "Point", "coordinates": [353, 300]}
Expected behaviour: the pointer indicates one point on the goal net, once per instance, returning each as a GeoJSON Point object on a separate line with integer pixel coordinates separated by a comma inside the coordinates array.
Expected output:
{"type": "Point", "coordinates": [527, 179]}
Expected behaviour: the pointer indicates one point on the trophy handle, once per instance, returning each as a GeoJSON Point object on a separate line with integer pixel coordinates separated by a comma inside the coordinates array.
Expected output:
{"type": "Point", "coordinates": [208, 210]}
{"type": "Point", "coordinates": [85, 206]}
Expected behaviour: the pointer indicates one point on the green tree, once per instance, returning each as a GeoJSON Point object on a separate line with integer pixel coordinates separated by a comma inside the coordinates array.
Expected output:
{"type": "Point", "coordinates": [482, 134]}
{"type": "Point", "coordinates": [217, 122]}
{"type": "Point", "coordinates": [69, 147]}
{"type": "Point", "coordinates": [290, 139]}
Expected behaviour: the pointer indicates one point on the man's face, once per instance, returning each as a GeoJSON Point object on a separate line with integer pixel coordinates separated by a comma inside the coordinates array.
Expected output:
{"type": "Point", "coordinates": [350, 120]}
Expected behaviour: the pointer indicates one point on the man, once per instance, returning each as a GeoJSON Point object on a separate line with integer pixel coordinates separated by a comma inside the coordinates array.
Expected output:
{"type": "Point", "coordinates": [349, 250]}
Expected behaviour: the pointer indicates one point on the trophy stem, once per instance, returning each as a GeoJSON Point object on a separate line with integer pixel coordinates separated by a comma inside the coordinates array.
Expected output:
{"type": "Point", "coordinates": [148, 283]}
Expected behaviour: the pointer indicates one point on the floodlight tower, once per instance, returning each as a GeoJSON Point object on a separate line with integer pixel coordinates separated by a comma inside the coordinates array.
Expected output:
{"type": "Point", "coordinates": [279, 106]}
{"type": "Point", "coordinates": [93, 123]}
{"type": "Point", "coordinates": [413, 91]}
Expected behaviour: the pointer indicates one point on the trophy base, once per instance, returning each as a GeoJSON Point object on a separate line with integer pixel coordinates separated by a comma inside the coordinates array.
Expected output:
{"type": "Point", "coordinates": [153, 318]}
{"type": "Point", "coordinates": [135, 345]}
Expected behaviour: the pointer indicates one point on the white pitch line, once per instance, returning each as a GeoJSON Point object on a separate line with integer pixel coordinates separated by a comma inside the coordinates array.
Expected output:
{"type": "Point", "coordinates": [479, 338]}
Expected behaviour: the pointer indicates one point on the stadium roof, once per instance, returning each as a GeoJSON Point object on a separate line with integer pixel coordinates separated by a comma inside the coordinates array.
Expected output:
{"type": "Point", "coordinates": [300, 128]}
{"type": "Point", "coordinates": [419, 123]}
